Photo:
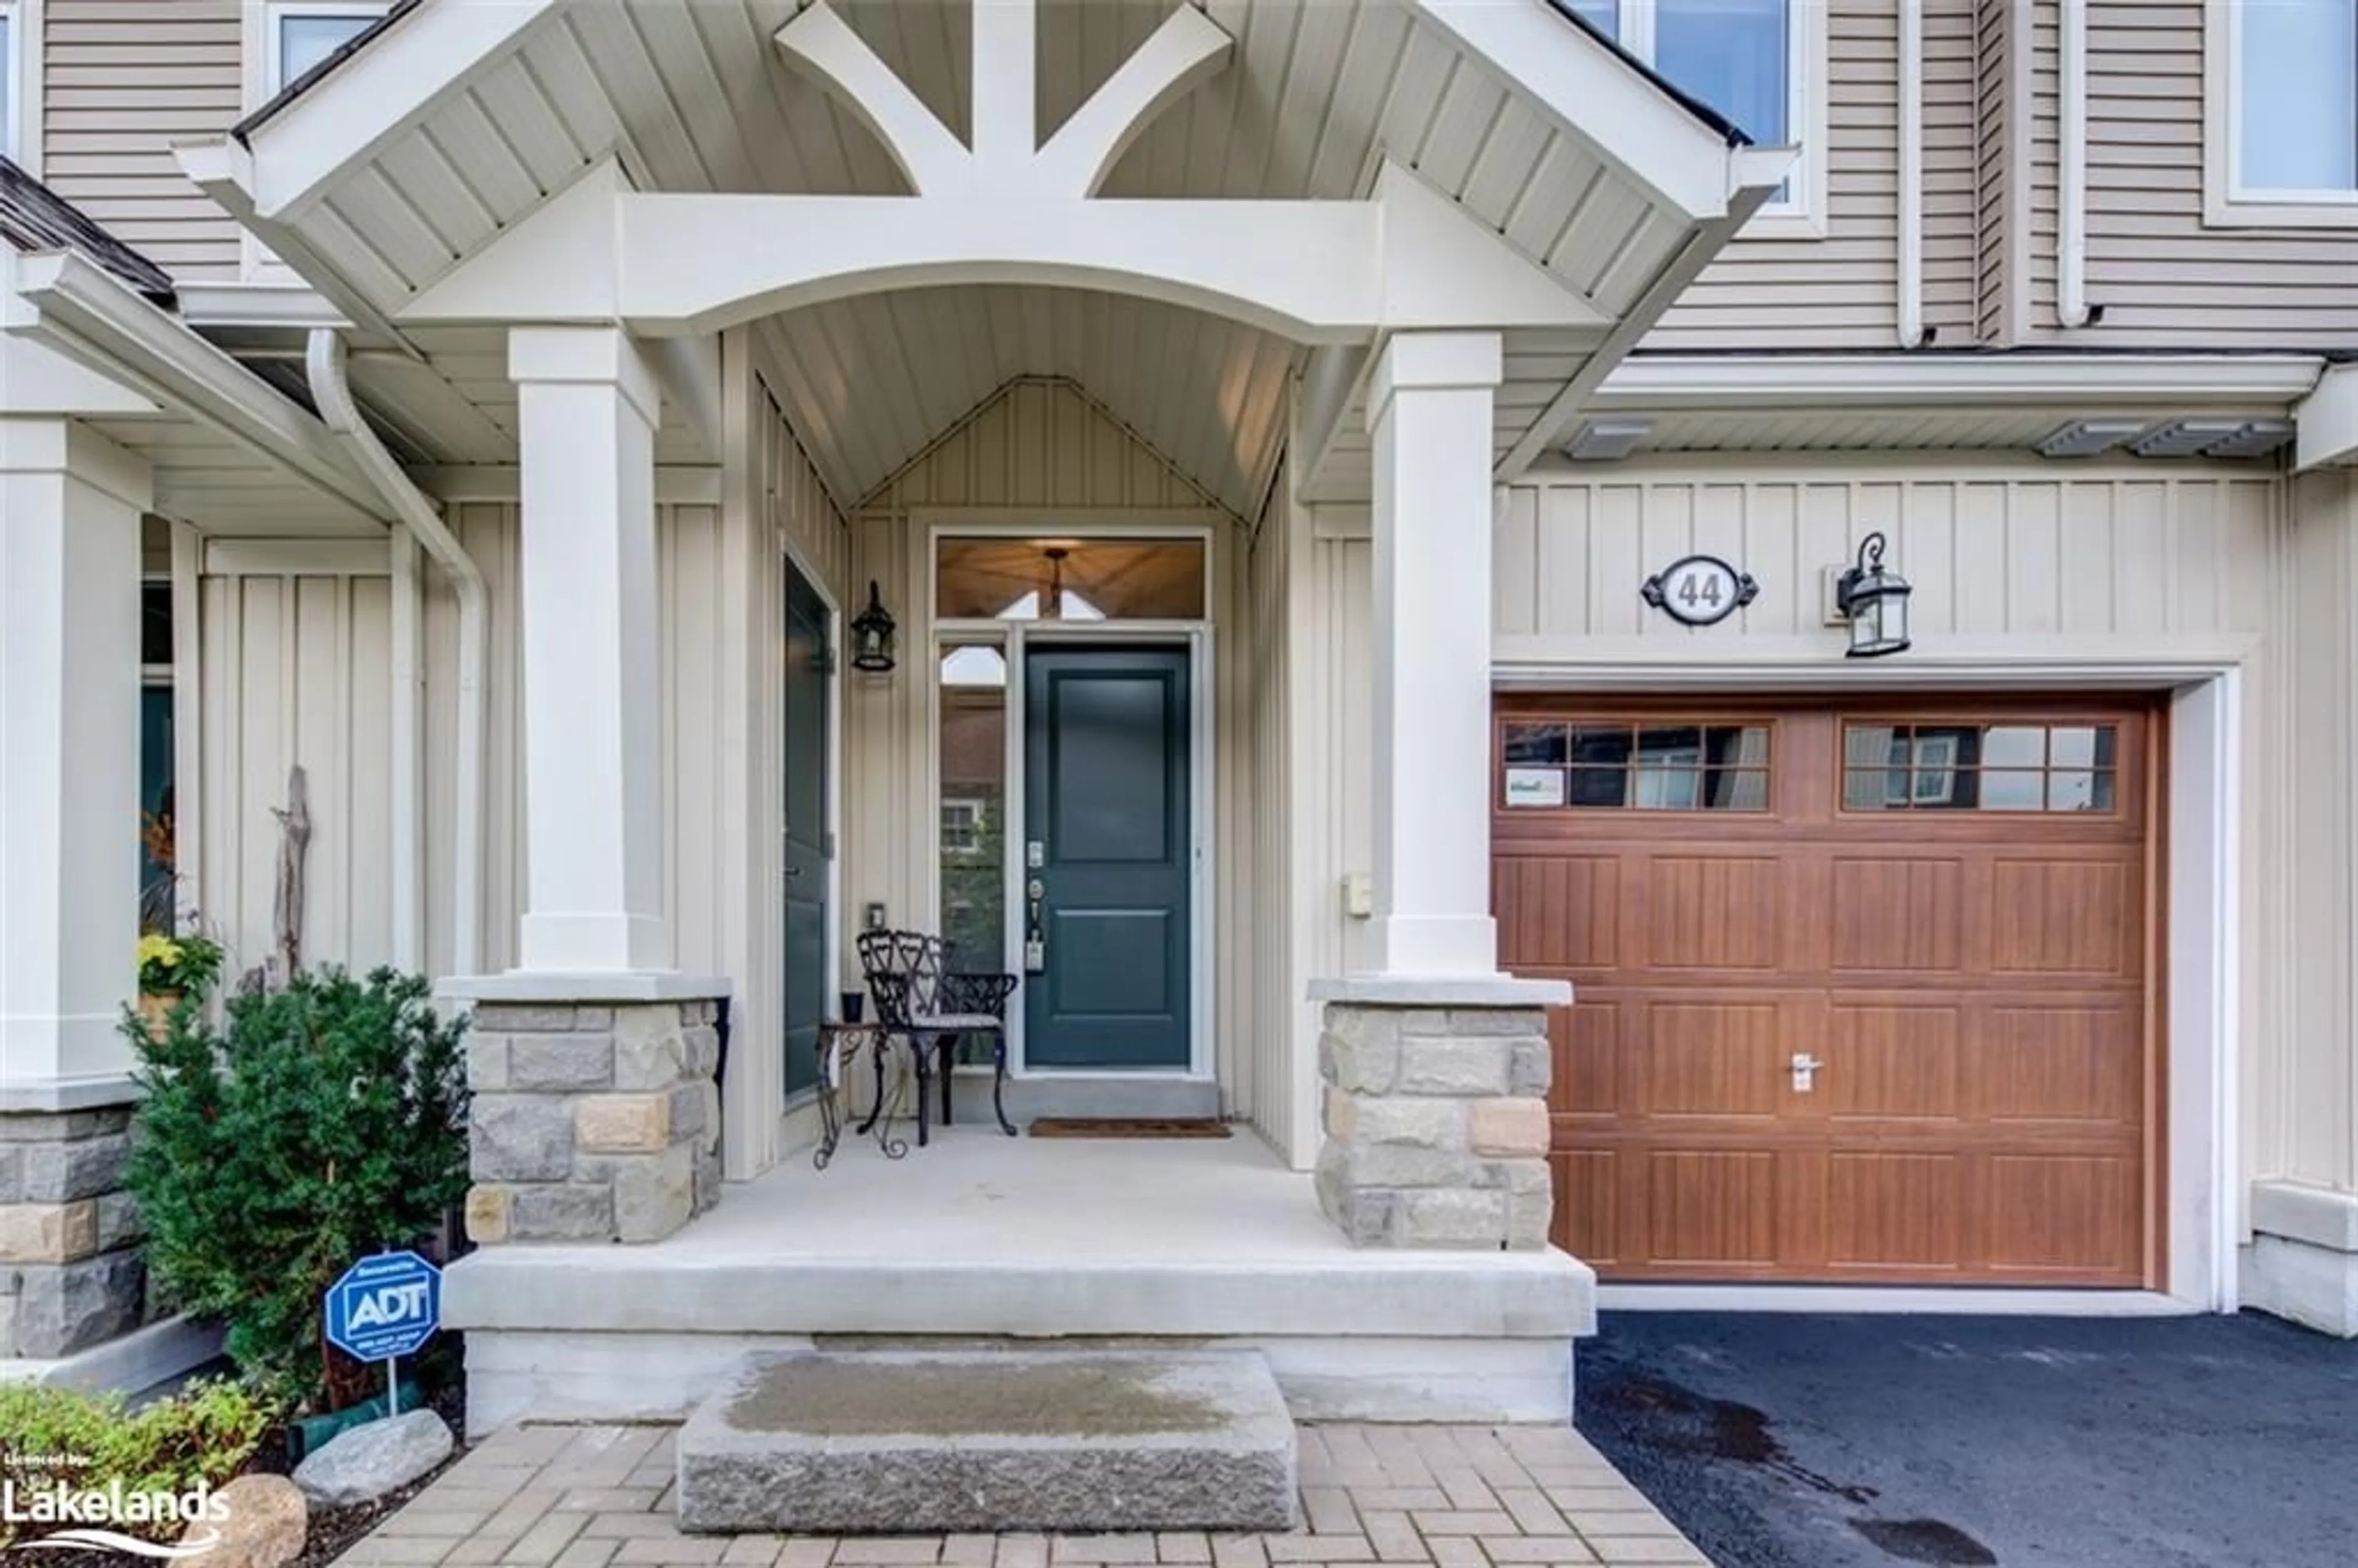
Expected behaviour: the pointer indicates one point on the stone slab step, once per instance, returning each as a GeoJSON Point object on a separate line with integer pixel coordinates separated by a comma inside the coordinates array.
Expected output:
{"type": "Point", "coordinates": [919, 1442]}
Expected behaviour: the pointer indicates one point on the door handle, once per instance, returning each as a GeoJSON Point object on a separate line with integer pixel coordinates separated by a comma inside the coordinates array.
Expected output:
{"type": "Point", "coordinates": [1805, 1072]}
{"type": "Point", "coordinates": [1036, 942]}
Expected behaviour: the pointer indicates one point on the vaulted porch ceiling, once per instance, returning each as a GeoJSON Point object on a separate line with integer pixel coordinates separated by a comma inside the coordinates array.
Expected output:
{"type": "Point", "coordinates": [458, 122]}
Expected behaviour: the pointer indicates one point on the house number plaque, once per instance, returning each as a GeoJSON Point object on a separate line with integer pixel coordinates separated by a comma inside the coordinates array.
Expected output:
{"type": "Point", "coordinates": [1700, 591]}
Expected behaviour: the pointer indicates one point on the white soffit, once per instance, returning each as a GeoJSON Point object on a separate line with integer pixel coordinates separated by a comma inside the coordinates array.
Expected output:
{"type": "Point", "coordinates": [696, 97]}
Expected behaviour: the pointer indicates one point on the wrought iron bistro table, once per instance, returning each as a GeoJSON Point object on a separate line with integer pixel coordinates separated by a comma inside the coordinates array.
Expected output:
{"type": "Point", "coordinates": [840, 1045]}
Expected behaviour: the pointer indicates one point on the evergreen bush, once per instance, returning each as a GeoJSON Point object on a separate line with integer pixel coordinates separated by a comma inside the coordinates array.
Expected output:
{"type": "Point", "coordinates": [321, 1124]}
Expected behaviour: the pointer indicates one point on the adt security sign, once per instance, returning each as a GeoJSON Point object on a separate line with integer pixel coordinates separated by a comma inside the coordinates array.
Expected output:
{"type": "Point", "coordinates": [385, 1306]}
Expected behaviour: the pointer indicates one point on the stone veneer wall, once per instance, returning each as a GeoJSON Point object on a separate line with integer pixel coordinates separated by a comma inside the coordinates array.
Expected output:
{"type": "Point", "coordinates": [1436, 1124]}
{"type": "Point", "coordinates": [70, 1273]}
{"type": "Point", "coordinates": [592, 1122]}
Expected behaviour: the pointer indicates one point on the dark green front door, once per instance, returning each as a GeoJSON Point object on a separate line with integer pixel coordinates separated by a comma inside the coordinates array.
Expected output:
{"type": "Point", "coordinates": [1106, 849]}
{"type": "Point", "coordinates": [809, 681]}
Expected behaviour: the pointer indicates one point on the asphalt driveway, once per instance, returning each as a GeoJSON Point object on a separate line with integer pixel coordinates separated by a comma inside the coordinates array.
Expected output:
{"type": "Point", "coordinates": [1778, 1440]}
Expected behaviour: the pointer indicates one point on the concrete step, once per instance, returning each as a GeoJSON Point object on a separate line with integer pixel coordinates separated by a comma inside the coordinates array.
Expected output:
{"type": "Point", "coordinates": [920, 1441]}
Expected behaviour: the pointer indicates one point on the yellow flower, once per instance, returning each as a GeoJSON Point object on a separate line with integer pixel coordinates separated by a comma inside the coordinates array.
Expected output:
{"type": "Point", "coordinates": [160, 950]}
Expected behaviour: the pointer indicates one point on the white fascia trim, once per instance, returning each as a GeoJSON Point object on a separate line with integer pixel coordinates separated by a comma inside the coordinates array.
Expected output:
{"type": "Point", "coordinates": [296, 557]}
{"type": "Point", "coordinates": [1593, 95]}
{"type": "Point", "coordinates": [1809, 662]}
{"type": "Point", "coordinates": [1869, 379]}
{"type": "Point", "coordinates": [2326, 421]}
{"type": "Point", "coordinates": [669, 264]}
{"type": "Point", "coordinates": [380, 94]}
{"type": "Point", "coordinates": [291, 305]}
{"type": "Point", "coordinates": [501, 484]}
{"type": "Point", "coordinates": [101, 322]}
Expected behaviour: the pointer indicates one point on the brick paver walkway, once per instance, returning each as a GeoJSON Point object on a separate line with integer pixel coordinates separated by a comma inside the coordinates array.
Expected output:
{"type": "Point", "coordinates": [1449, 1497]}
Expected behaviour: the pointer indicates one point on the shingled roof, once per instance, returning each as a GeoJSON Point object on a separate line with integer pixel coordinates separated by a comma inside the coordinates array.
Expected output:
{"type": "Point", "coordinates": [34, 218]}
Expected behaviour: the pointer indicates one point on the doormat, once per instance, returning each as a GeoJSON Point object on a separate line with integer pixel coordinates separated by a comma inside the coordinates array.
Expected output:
{"type": "Point", "coordinates": [1128, 1127]}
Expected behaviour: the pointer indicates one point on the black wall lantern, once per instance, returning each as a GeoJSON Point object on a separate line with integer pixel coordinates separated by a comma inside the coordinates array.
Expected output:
{"type": "Point", "coordinates": [871, 635]}
{"type": "Point", "coordinates": [1875, 602]}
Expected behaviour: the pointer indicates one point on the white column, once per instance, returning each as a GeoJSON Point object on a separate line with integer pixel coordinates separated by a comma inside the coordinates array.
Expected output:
{"type": "Point", "coordinates": [69, 507]}
{"type": "Point", "coordinates": [1429, 412]}
{"type": "Point", "coordinates": [592, 728]}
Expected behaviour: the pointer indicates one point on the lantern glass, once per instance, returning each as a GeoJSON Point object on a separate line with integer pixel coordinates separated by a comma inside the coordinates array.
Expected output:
{"type": "Point", "coordinates": [1875, 600]}
{"type": "Point", "coordinates": [871, 635]}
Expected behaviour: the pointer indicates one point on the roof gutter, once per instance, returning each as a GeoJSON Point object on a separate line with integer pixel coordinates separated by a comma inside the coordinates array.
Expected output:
{"type": "Point", "coordinates": [99, 319]}
{"type": "Point", "coordinates": [1964, 378]}
{"type": "Point", "coordinates": [331, 390]}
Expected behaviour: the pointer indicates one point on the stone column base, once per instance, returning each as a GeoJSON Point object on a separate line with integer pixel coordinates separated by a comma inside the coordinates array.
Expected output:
{"type": "Point", "coordinates": [593, 1119]}
{"type": "Point", "coordinates": [70, 1273]}
{"type": "Point", "coordinates": [1435, 1114]}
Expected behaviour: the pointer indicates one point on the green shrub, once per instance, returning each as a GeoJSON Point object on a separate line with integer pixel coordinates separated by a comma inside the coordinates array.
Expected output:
{"type": "Point", "coordinates": [51, 1437]}
{"type": "Point", "coordinates": [321, 1124]}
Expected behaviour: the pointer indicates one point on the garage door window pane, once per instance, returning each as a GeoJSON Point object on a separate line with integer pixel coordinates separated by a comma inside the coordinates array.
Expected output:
{"type": "Point", "coordinates": [1536, 744]}
{"type": "Point", "coordinates": [1635, 765]}
{"type": "Point", "coordinates": [1979, 767]}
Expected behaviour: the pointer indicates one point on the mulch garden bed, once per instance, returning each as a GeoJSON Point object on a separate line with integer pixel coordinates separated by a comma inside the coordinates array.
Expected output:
{"type": "Point", "coordinates": [333, 1532]}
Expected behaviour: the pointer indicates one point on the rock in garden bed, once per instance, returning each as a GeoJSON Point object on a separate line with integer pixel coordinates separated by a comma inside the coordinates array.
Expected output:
{"type": "Point", "coordinates": [364, 1463]}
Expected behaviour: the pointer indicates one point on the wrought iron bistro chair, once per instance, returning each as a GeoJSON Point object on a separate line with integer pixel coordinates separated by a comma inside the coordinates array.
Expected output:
{"type": "Point", "coordinates": [919, 1000]}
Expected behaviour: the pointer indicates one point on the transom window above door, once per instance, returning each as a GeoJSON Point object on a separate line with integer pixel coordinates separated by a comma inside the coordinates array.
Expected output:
{"type": "Point", "coordinates": [1638, 765]}
{"type": "Point", "coordinates": [2001, 766]}
{"type": "Point", "coordinates": [1045, 578]}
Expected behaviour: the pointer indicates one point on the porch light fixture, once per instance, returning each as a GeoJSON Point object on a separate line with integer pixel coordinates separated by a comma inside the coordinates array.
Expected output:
{"type": "Point", "coordinates": [871, 635]}
{"type": "Point", "coordinates": [1875, 602]}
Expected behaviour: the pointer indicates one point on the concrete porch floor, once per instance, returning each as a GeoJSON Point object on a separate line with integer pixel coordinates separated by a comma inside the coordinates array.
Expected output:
{"type": "Point", "coordinates": [1433, 1497]}
{"type": "Point", "coordinates": [981, 1237]}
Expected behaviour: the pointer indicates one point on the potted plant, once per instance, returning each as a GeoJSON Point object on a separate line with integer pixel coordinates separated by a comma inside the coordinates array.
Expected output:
{"type": "Point", "coordinates": [171, 970]}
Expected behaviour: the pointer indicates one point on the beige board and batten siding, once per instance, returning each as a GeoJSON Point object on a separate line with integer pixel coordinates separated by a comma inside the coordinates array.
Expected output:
{"type": "Point", "coordinates": [1842, 289]}
{"type": "Point", "coordinates": [293, 672]}
{"type": "Point", "coordinates": [2112, 563]}
{"type": "Point", "coordinates": [1042, 454]}
{"type": "Point", "coordinates": [124, 80]}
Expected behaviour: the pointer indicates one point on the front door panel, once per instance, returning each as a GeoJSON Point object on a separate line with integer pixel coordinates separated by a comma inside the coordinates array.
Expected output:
{"type": "Point", "coordinates": [1106, 801]}
{"type": "Point", "coordinates": [809, 683]}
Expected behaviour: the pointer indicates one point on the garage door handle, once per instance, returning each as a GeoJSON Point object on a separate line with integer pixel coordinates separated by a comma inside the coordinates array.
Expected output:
{"type": "Point", "coordinates": [1805, 1072]}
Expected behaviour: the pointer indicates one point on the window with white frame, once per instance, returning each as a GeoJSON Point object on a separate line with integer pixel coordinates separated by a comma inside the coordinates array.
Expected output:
{"type": "Point", "coordinates": [299, 34]}
{"type": "Point", "coordinates": [1758, 62]}
{"type": "Point", "coordinates": [2295, 100]}
{"type": "Point", "coordinates": [8, 95]}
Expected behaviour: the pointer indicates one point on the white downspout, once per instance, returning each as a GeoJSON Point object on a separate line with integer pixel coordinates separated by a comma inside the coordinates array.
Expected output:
{"type": "Point", "coordinates": [409, 760]}
{"type": "Point", "coordinates": [2071, 217]}
{"type": "Point", "coordinates": [1913, 332]}
{"type": "Point", "coordinates": [332, 391]}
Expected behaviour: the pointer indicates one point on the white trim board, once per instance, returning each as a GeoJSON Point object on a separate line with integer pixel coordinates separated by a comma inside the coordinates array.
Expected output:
{"type": "Point", "coordinates": [2201, 848]}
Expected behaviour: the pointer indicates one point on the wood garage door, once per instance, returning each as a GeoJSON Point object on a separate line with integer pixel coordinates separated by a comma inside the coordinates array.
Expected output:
{"type": "Point", "coordinates": [1951, 911]}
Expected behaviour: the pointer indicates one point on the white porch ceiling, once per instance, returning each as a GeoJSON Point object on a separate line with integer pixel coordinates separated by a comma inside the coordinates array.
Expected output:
{"type": "Point", "coordinates": [693, 96]}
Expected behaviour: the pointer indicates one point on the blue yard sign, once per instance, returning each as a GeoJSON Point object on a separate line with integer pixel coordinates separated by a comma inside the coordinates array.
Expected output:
{"type": "Point", "coordinates": [383, 1308]}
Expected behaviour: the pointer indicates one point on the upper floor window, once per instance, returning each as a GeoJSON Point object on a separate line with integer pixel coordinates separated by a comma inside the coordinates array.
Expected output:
{"type": "Point", "coordinates": [302, 32]}
{"type": "Point", "coordinates": [1758, 62]}
{"type": "Point", "coordinates": [2281, 121]}
{"type": "Point", "coordinates": [7, 81]}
